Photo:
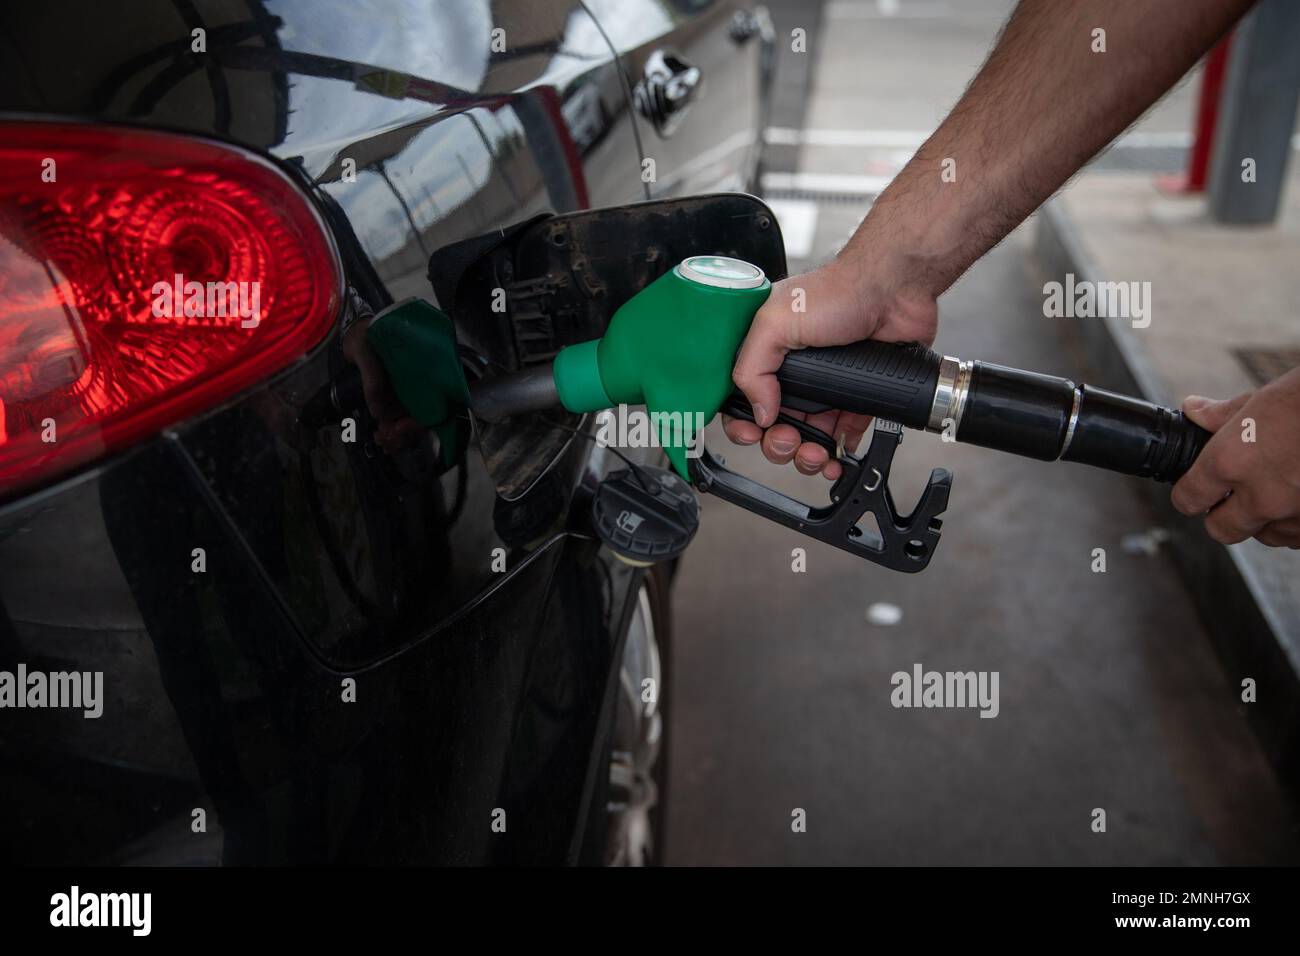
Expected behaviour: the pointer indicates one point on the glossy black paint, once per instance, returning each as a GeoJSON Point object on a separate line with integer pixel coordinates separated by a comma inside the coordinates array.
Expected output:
{"type": "Point", "coordinates": [329, 562]}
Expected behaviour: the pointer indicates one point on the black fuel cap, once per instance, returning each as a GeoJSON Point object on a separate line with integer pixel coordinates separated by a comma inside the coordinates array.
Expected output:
{"type": "Point", "coordinates": [646, 516]}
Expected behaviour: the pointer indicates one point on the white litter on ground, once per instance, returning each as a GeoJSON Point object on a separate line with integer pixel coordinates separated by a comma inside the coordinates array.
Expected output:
{"type": "Point", "coordinates": [885, 615]}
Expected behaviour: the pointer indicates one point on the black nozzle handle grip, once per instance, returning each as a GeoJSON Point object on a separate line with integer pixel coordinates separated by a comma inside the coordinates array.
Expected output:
{"type": "Point", "coordinates": [870, 378]}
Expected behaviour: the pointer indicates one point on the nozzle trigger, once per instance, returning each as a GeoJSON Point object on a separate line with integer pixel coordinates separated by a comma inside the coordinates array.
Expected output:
{"type": "Point", "coordinates": [901, 543]}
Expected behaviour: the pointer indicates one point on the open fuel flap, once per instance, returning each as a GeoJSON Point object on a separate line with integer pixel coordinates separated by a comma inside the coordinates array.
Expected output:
{"type": "Point", "coordinates": [520, 295]}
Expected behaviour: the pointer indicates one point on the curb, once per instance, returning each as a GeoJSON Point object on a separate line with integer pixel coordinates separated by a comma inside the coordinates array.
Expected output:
{"type": "Point", "coordinates": [1246, 625]}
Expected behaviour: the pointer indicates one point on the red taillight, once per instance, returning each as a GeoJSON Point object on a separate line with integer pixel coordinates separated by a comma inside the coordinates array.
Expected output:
{"type": "Point", "coordinates": [99, 227]}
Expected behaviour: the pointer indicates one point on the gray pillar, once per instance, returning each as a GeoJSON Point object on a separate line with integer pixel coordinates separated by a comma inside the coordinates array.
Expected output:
{"type": "Point", "coordinates": [1257, 114]}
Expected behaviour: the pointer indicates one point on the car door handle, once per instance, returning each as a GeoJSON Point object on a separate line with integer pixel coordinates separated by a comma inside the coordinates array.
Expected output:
{"type": "Point", "coordinates": [667, 86]}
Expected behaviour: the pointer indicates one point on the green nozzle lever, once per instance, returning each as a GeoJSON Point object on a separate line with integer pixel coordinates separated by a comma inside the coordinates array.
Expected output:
{"type": "Point", "coordinates": [671, 348]}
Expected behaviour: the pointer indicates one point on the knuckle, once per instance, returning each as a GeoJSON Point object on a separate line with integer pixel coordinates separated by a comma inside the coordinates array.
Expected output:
{"type": "Point", "coordinates": [1181, 498]}
{"type": "Point", "coordinates": [1274, 504]}
{"type": "Point", "coordinates": [1271, 538]}
{"type": "Point", "coordinates": [1218, 533]}
{"type": "Point", "coordinates": [1287, 539]}
{"type": "Point", "coordinates": [1219, 529]}
{"type": "Point", "coordinates": [745, 382]}
{"type": "Point", "coordinates": [1229, 467]}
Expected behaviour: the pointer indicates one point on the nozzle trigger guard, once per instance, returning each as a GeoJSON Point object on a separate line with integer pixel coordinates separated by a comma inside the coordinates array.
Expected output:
{"type": "Point", "coordinates": [903, 543]}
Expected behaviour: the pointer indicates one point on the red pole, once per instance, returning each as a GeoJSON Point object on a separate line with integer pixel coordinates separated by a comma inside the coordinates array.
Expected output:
{"type": "Point", "coordinates": [1207, 116]}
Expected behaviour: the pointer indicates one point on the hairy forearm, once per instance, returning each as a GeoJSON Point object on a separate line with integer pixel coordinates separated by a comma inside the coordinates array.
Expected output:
{"type": "Point", "coordinates": [1043, 104]}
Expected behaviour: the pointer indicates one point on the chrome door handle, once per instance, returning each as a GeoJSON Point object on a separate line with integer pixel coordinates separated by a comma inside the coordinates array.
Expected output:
{"type": "Point", "coordinates": [667, 86]}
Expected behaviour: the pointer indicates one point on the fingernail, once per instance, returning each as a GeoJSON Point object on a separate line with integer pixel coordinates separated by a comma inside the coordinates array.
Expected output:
{"type": "Point", "coordinates": [745, 440]}
{"type": "Point", "coordinates": [1195, 402]}
{"type": "Point", "coordinates": [760, 416]}
{"type": "Point", "coordinates": [782, 447]}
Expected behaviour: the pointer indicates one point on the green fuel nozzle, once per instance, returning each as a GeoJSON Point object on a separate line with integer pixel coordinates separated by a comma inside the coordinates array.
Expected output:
{"type": "Point", "coordinates": [671, 348]}
{"type": "Point", "coordinates": [417, 344]}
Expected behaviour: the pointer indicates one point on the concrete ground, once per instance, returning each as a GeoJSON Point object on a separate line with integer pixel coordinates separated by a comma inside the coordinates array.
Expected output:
{"type": "Point", "coordinates": [1110, 695]}
{"type": "Point", "coordinates": [1215, 291]}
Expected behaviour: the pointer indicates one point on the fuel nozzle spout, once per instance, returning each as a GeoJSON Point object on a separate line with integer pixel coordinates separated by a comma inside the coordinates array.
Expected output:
{"type": "Point", "coordinates": [530, 390]}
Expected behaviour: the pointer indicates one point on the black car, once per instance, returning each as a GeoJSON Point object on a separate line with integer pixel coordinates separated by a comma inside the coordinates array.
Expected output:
{"type": "Point", "coordinates": [322, 635]}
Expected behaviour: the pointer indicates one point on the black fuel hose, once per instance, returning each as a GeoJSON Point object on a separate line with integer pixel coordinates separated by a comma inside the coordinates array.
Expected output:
{"type": "Point", "coordinates": [1025, 413]}
{"type": "Point", "coordinates": [500, 396]}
